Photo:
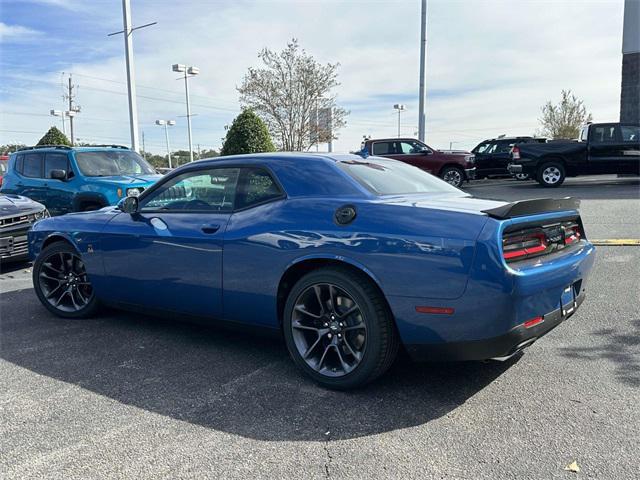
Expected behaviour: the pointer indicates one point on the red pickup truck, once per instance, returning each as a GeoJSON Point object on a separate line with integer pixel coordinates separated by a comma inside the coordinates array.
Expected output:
{"type": "Point", "coordinates": [453, 168]}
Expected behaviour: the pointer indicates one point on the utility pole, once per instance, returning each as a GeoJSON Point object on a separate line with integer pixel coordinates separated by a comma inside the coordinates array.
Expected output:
{"type": "Point", "coordinates": [188, 72]}
{"type": "Point", "coordinates": [400, 107]}
{"type": "Point", "coordinates": [131, 81]}
{"type": "Point", "coordinates": [144, 150]}
{"type": "Point", "coordinates": [73, 110]}
{"type": "Point", "coordinates": [423, 61]}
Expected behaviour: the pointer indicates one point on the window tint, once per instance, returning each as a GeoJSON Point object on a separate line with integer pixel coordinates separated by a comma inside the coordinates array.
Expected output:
{"type": "Point", "coordinates": [382, 148]}
{"type": "Point", "coordinates": [504, 147]}
{"type": "Point", "coordinates": [55, 161]}
{"type": "Point", "coordinates": [32, 165]}
{"type": "Point", "coordinates": [630, 133]}
{"type": "Point", "coordinates": [212, 190]}
{"type": "Point", "coordinates": [411, 147]}
{"type": "Point", "coordinates": [604, 134]}
{"type": "Point", "coordinates": [482, 148]}
{"type": "Point", "coordinates": [257, 187]}
{"type": "Point", "coordinates": [387, 177]}
{"type": "Point", "coordinates": [18, 164]}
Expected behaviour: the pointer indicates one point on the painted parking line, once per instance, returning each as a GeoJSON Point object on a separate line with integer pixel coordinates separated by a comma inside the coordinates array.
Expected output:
{"type": "Point", "coordinates": [619, 242]}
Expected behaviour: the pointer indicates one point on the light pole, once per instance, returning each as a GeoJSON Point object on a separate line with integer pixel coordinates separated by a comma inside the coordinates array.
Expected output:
{"type": "Point", "coordinates": [131, 81]}
{"type": "Point", "coordinates": [423, 63]}
{"type": "Point", "coordinates": [400, 107]}
{"type": "Point", "coordinates": [188, 72]}
{"type": "Point", "coordinates": [167, 124]}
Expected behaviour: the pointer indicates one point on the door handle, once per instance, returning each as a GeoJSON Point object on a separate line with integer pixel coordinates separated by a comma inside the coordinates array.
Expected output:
{"type": "Point", "coordinates": [209, 229]}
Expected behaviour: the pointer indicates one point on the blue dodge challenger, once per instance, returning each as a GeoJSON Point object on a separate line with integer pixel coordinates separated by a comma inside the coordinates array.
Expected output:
{"type": "Point", "coordinates": [349, 256]}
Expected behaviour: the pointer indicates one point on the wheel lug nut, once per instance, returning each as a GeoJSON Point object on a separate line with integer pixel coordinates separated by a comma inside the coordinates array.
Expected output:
{"type": "Point", "coordinates": [326, 324]}
{"type": "Point", "coordinates": [339, 335]}
{"type": "Point", "coordinates": [329, 335]}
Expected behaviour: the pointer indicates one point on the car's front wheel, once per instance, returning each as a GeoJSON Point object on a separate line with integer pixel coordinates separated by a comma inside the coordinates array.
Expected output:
{"type": "Point", "coordinates": [338, 328]}
{"type": "Point", "coordinates": [453, 176]}
{"type": "Point", "coordinates": [61, 282]}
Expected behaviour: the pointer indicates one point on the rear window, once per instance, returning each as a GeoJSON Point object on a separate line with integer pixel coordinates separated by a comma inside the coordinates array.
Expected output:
{"type": "Point", "coordinates": [389, 177]}
{"type": "Point", "coordinates": [630, 133]}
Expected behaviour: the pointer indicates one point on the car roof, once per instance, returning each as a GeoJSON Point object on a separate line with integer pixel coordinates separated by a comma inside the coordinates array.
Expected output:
{"type": "Point", "coordinates": [393, 139]}
{"type": "Point", "coordinates": [69, 148]}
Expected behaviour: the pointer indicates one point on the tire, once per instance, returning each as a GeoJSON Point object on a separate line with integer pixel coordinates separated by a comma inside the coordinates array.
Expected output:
{"type": "Point", "coordinates": [551, 174]}
{"type": "Point", "coordinates": [521, 176]}
{"type": "Point", "coordinates": [453, 176]}
{"type": "Point", "coordinates": [61, 282]}
{"type": "Point", "coordinates": [350, 338]}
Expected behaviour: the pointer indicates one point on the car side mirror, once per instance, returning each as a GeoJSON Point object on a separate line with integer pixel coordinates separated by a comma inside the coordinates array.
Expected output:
{"type": "Point", "coordinates": [129, 205]}
{"type": "Point", "coordinates": [58, 175]}
{"type": "Point", "coordinates": [425, 151]}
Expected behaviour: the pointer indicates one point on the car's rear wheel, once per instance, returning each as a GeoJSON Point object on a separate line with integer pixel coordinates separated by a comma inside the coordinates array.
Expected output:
{"type": "Point", "coordinates": [453, 176]}
{"type": "Point", "coordinates": [61, 282]}
{"type": "Point", "coordinates": [521, 176]}
{"type": "Point", "coordinates": [551, 174]}
{"type": "Point", "coordinates": [338, 328]}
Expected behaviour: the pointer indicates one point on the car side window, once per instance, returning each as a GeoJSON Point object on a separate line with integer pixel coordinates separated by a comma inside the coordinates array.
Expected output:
{"type": "Point", "coordinates": [256, 186]}
{"type": "Point", "coordinates": [504, 147]}
{"type": "Point", "coordinates": [630, 133]}
{"type": "Point", "coordinates": [55, 161]}
{"type": "Point", "coordinates": [410, 147]}
{"type": "Point", "coordinates": [604, 134]}
{"type": "Point", "coordinates": [32, 165]}
{"type": "Point", "coordinates": [209, 190]}
{"type": "Point", "coordinates": [18, 164]}
{"type": "Point", "coordinates": [382, 148]}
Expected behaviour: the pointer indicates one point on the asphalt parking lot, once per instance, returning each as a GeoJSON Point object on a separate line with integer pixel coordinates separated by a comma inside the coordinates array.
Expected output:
{"type": "Point", "coordinates": [125, 396]}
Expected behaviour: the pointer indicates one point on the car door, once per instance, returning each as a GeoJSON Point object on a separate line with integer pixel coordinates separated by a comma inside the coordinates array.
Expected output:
{"type": "Point", "coordinates": [417, 154]}
{"type": "Point", "coordinates": [30, 179]}
{"type": "Point", "coordinates": [605, 149]}
{"type": "Point", "coordinates": [631, 147]}
{"type": "Point", "coordinates": [168, 255]}
{"type": "Point", "coordinates": [59, 194]}
{"type": "Point", "coordinates": [501, 157]}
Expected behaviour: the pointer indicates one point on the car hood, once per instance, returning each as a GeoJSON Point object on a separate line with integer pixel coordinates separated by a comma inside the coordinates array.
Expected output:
{"type": "Point", "coordinates": [128, 180]}
{"type": "Point", "coordinates": [11, 205]}
{"type": "Point", "coordinates": [457, 203]}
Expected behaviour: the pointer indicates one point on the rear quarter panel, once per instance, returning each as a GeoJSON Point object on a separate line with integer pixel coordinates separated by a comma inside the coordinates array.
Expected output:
{"type": "Point", "coordinates": [414, 252]}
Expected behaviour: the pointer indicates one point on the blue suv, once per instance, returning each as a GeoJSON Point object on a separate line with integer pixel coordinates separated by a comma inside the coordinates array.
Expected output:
{"type": "Point", "coordinates": [77, 179]}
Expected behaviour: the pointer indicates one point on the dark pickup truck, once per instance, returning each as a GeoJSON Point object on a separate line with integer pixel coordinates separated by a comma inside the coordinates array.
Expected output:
{"type": "Point", "coordinates": [602, 148]}
{"type": "Point", "coordinates": [453, 168]}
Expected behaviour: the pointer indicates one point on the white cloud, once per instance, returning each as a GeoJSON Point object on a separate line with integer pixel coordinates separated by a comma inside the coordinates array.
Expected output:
{"type": "Point", "coordinates": [16, 33]}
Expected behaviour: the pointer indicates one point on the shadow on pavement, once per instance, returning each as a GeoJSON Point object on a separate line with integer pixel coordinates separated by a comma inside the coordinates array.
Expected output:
{"type": "Point", "coordinates": [591, 188]}
{"type": "Point", "coordinates": [224, 380]}
{"type": "Point", "coordinates": [9, 267]}
{"type": "Point", "coordinates": [621, 348]}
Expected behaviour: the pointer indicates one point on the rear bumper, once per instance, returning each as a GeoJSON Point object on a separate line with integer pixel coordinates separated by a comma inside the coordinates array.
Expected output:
{"type": "Point", "coordinates": [500, 347]}
{"type": "Point", "coordinates": [514, 168]}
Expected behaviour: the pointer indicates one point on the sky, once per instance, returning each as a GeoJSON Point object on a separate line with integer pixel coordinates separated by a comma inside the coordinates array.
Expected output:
{"type": "Point", "coordinates": [491, 64]}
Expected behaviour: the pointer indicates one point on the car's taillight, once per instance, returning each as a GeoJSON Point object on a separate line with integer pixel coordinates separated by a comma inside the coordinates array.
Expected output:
{"type": "Point", "coordinates": [515, 153]}
{"type": "Point", "coordinates": [518, 246]}
{"type": "Point", "coordinates": [572, 234]}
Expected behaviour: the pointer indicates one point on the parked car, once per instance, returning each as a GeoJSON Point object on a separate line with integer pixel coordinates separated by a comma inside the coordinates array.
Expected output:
{"type": "Point", "coordinates": [347, 256]}
{"type": "Point", "coordinates": [602, 148]}
{"type": "Point", "coordinates": [67, 179]}
{"type": "Point", "coordinates": [17, 214]}
{"type": "Point", "coordinates": [4, 160]}
{"type": "Point", "coordinates": [453, 168]}
{"type": "Point", "coordinates": [492, 156]}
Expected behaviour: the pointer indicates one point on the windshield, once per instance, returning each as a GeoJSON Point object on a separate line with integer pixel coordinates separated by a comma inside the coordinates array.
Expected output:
{"type": "Point", "coordinates": [112, 162]}
{"type": "Point", "coordinates": [481, 148]}
{"type": "Point", "coordinates": [390, 177]}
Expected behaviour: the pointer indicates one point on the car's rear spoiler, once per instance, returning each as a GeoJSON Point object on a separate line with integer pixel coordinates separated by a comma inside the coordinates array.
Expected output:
{"type": "Point", "coordinates": [531, 207]}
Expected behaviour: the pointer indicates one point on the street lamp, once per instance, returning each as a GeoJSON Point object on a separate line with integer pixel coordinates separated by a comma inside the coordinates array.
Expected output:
{"type": "Point", "coordinates": [167, 124]}
{"type": "Point", "coordinates": [59, 113]}
{"type": "Point", "coordinates": [400, 107]}
{"type": "Point", "coordinates": [188, 72]}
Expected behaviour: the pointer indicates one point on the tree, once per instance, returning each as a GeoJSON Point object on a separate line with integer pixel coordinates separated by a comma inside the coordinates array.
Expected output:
{"type": "Point", "coordinates": [288, 91]}
{"type": "Point", "coordinates": [10, 147]}
{"type": "Point", "coordinates": [247, 134]}
{"type": "Point", "coordinates": [54, 137]}
{"type": "Point", "coordinates": [208, 153]}
{"type": "Point", "coordinates": [564, 119]}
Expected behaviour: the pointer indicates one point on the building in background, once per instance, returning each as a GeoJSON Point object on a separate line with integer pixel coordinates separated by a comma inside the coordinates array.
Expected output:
{"type": "Point", "coordinates": [630, 90]}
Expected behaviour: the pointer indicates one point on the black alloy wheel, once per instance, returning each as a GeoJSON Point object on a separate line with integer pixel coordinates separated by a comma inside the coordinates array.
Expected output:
{"type": "Point", "coordinates": [338, 328]}
{"type": "Point", "coordinates": [61, 282]}
{"type": "Point", "coordinates": [453, 176]}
